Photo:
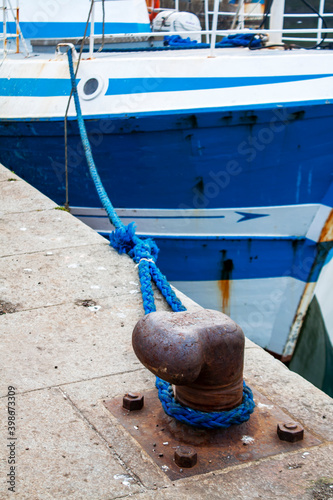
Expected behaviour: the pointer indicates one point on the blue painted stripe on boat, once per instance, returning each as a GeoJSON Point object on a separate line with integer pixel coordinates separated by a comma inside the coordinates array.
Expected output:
{"type": "Point", "coordinates": [35, 87]}
{"type": "Point", "coordinates": [223, 237]}
{"type": "Point", "coordinates": [35, 150]}
{"type": "Point", "coordinates": [69, 29]}
{"type": "Point", "coordinates": [179, 217]}
{"type": "Point", "coordinates": [202, 258]}
{"type": "Point", "coordinates": [173, 112]}
{"type": "Point", "coordinates": [150, 85]}
{"type": "Point", "coordinates": [54, 87]}
{"type": "Point", "coordinates": [191, 260]}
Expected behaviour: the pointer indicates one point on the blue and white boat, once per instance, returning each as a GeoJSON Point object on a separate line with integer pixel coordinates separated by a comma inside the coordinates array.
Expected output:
{"type": "Point", "coordinates": [223, 155]}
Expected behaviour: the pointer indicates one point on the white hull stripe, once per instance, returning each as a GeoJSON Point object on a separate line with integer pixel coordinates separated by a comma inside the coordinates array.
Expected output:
{"type": "Point", "coordinates": [157, 83]}
{"type": "Point", "coordinates": [292, 221]}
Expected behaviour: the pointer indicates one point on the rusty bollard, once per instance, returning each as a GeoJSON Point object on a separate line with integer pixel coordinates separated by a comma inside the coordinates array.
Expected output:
{"type": "Point", "coordinates": [200, 352]}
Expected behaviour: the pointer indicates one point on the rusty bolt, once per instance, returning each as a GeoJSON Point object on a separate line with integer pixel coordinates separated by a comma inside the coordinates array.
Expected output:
{"type": "Point", "coordinates": [133, 401]}
{"type": "Point", "coordinates": [290, 431]}
{"type": "Point", "coordinates": [185, 456]}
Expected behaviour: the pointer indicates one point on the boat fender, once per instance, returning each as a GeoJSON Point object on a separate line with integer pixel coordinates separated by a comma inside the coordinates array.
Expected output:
{"type": "Point", "coordinates": [177, 21]}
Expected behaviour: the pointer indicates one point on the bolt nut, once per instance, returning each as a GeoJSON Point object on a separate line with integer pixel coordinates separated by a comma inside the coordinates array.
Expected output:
{"type": "Point", "coordinates": [186, 457]}
{"type": "Point", "coordinates": [290, 431]}
{"type": "Point", "coordinates": [133, 401]}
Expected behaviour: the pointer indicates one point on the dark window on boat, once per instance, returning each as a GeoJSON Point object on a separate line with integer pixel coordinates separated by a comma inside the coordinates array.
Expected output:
{"type": "Point", "coordinates": [90, 86]}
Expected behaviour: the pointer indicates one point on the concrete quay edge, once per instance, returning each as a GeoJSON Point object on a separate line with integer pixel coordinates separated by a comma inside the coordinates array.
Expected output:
{"type": "Point", "coordinates": [71, 303]}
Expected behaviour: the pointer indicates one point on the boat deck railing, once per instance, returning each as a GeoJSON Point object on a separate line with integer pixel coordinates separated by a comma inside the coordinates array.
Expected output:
{"type": "Point", "coordinates": [276, 31]}
{"type": "Point", "coordinates": [276, 18]}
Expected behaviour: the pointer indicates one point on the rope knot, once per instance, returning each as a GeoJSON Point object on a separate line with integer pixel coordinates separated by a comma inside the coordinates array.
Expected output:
{"type": "Point", "coordinates": [144, 249]}
{"type": "Point", "coordinates": [122, 238]}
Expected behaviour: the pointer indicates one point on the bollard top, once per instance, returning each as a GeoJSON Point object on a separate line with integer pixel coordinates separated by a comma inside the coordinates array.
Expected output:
{"type": "Point", "coordinates": [204, 348]}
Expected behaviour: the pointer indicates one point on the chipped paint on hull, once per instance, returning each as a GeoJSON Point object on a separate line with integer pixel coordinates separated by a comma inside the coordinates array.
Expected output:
{"type": "Point", "coordinates": [325, 243]}
{"type": "Point", "coordinates": [327, 231]}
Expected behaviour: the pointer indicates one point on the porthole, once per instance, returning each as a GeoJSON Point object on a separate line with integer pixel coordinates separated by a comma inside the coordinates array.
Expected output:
{"type": "Point", "coordinates": [89, 88]}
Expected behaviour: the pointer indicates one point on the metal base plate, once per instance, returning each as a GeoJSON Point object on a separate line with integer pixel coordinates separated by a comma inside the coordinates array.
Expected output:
{"type": "Point", "coordinates": [159, 435]}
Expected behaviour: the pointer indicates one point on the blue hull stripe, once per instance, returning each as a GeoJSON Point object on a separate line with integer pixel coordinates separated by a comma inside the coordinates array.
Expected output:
{"type": "Point", "coordinates": [162, 217]}
{"type": "Point", "coordinates": [174, 112]}
{"type": "Point", "coordinates": [148, 85]}
{"type": "Point", "coordinates": [35, 87]}
{"type": "Point", "coordinates": [184, 258]}
{"type": "Point", "coordinates": [212, 162]}
{"type": "Point", "coordinates": [192, 259]}
{"type": "Point", "coordinates": [67, 29]}
{"type": "Point", "coordinates": [54, 87]}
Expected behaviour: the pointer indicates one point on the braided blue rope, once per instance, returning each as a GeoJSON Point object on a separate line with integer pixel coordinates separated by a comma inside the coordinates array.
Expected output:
{"type": "Point", "coordinates": [144, 252]}
{"type": "Point", "coordinates": [196, 418]}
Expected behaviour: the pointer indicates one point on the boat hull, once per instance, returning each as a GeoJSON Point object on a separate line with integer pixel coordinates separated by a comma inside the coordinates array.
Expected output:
{"type": "Point", "coordinates": [216, 159]}
{"type": "Point", "coordinates": [225, 161]}
{"type": "Point", "coordinates": [229, 196]}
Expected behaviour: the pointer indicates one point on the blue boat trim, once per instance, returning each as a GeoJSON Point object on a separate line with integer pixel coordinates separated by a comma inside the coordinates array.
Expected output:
{"type": "Point", "coordinates": [150, 85]}
{"type": "Point", "coordinates": [185, 258]}
{"type": "Point", "coordinates": [208, 154]}
{"type": "Point", "coordinates": [275, 106]}
{"type": "Point", "coordinates": [35, 87]}
{"type": "Point", "coordinates": [131, 217]}
{"type": "Point", "coordinates": [223, 237]}
{"type": "Point", "coordinates": [55, 87]}
{"type": "Point", "coordinates": [68, 29]}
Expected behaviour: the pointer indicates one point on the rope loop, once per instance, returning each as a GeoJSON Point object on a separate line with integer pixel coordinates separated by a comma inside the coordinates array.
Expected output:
{"type": "Point", "coordinates": [205, 420]}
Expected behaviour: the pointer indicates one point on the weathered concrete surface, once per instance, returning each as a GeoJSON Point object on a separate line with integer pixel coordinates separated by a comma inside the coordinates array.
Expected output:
{"type": "Point", "coordinates": [67, 346]}
{"type": "Point", "coordinates": [60, 456]}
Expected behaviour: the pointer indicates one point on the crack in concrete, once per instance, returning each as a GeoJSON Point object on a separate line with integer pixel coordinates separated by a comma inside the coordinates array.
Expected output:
{"type": "Point", "coordinates": [58, 386]}
{"type": "Point", "coordinates": [83, 245]}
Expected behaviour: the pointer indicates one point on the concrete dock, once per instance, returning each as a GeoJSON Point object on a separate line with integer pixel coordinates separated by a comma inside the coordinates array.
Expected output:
{"type": "Point", "coordinates": [68, 305]}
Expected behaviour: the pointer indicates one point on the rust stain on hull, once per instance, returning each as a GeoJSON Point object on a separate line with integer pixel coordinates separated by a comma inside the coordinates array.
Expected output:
{"type": "Point", "coordinates": [224, 283]}
{"type": "Point", "coordinates": [327, 231]}
{"type": "Point", "coordinates": [225, 289]}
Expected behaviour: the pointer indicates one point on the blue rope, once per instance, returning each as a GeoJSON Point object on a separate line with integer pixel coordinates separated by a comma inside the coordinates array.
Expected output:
{"type": "Point", "coordinates": [240, 40]}
{"type": "Point", "coordinates": [236, 40]}
{"type": "Point", "coordinates": [196, 418]}
{"type": "Point", "coordinates": [175, 42]}
{"type": "Point", "coordinates": [144, 252]}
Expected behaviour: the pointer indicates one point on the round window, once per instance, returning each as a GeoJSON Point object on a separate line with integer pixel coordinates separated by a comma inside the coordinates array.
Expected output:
{"type": "Point", "coordinates": [90, 86]}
